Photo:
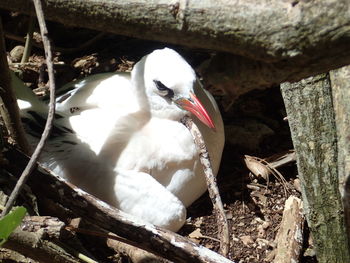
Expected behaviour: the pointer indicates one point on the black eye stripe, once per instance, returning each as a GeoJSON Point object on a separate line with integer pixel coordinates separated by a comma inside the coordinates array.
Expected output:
{"type": "Point", "coordinates": [161, 87]}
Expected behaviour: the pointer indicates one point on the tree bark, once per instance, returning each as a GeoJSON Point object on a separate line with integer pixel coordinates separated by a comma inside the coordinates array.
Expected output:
{"type": "Point", "coordinates": [340, 80]}
{"type": "Point", "coordinates": [273, 41]}
{"type": "Point", "coordinates": [37, 240]}
{"type": "Point", "coordinates": [264, 30]}
{"type": "Point", "coordinates": [8, 255]}
{"type": "Point", "coordinates": [238, 75]}
{"type": "Point", "coordinates": [289, 238]}
{"type": "Point", "coordinates": [311, 118]}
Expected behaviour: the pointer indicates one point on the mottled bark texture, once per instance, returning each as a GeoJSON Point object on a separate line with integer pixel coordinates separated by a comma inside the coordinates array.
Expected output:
{"type": "Point", "coordinates": [290, 236]}
{"type": "Point", "coordinates": [340, 80]}
{"type": "Point", "coordinates": [272, 41]}
{"type": "Point", "coordinates": [38, 239]}
{"type": "Point", "coordinates": [312, 124]}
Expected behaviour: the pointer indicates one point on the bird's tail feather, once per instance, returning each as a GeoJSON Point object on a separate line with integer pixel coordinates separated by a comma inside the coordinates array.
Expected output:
{"type": "Point", "coordinates": [33, 112]}
{"type": "Point", "coordinates": [26, 98]}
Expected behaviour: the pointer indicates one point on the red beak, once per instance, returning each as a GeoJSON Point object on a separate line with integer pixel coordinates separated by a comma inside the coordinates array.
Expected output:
{"type": "Point", "coordinates": [194, 106]}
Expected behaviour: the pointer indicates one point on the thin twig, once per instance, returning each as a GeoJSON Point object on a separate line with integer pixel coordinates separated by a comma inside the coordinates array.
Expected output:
{"type": "Point", "coordinates": [29, 41]}
{"type": "Point", "coordinates": [30, 166]}
{"type": "Point", "coordinates": [223, 230]}
{"type": "Point", "coordinates": [279, 160]}
{"type": "Point", "coordinates": [86, 258]}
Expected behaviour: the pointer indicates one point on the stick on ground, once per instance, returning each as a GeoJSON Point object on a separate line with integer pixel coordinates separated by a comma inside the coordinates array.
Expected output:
{"type": "Point", "coordinates": [289, 238]}
{"type": "Point", "coordinates": [223, 233]}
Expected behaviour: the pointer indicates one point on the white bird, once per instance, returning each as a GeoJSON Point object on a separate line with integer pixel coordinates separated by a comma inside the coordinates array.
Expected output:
{"type": "Point", "coordinates": [119, 137]}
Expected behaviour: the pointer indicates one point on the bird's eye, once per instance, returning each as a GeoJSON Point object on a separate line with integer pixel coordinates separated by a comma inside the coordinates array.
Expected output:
{"type": "Point", "coordinates": [160, 86]}
{"type": "Point", "coordinates": [164, 90]}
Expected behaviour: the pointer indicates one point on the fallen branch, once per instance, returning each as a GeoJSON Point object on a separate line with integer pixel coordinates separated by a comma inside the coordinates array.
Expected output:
{"type": "Point", "coordinates": [59, 198]}
{"type": "Point", "coordinates": [135, 254]}
{"type": "Point", "coordinates": [8, 255]}
{"type": "Point", "coordinates": [273, 41]}
{"type": "Point", "coordinates": [306, 32]}
{"type": "Point", "coordinates": [289, 238]}
{"type": "Point", "coordinates": [223, 233]}
{"type": "Point", "coordinates": [35, 240]}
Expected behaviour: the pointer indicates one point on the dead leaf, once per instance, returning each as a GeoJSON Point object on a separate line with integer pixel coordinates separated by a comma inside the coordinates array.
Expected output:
{"type": "Point", "coordinates": [256, 167]}
{"type": "Point", "coordinates": [196, 234]}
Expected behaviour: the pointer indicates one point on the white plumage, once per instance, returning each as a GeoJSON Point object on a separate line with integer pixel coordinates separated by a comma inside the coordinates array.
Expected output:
{"type": "Point", "coordinates": [119, 137]}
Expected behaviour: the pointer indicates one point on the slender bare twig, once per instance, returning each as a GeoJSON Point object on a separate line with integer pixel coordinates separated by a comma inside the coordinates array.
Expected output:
{"type": "Point", "coordinates": [29, 41]}
{"type": "Point", "coordinates": [279, 160]}
{"type": "Point", "coordinates": [224, 234]}
{"type": "Point", "coordinates": [46, 132]}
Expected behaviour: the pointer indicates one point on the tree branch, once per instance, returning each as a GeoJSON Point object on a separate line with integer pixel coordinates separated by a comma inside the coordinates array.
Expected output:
{"type": "Point", "coordinates": [273, 41]}
{"type": "Point", "coordinates": [238, 75]}
{"type": "Point", "coordinates": [239, 27]}
{"type": "Point", "coordinates": [223, 230]}
{"type": "Point", "coordinates": [312, 123]}
{"type": "Point", "coordinates": [35, 240]}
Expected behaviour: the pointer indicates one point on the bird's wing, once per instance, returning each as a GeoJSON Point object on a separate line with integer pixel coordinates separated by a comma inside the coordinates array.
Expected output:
{"type": "Point", "coordinates": [109, 91]}
{"type": "Point", "coordinates": [34, 112]}
{"type": "Point", "coordinates": [102, 109]}
{"type": "Point", "coordinates": [141, 195]}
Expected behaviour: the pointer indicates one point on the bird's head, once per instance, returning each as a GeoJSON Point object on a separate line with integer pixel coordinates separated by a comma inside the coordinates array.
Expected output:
{"type": "Point", "coordinates": [168, 80]}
